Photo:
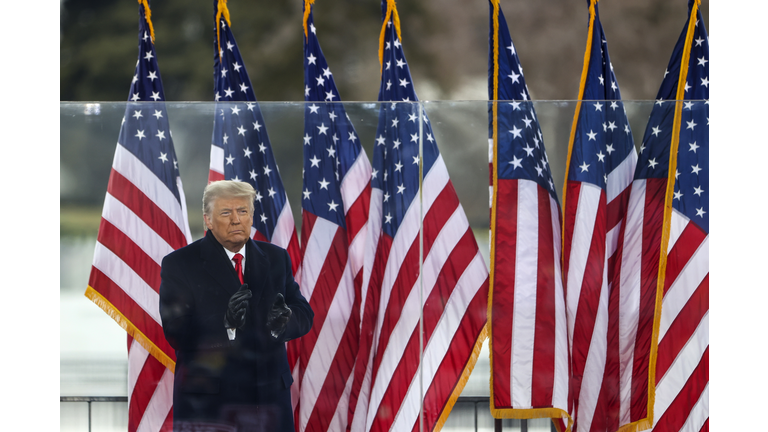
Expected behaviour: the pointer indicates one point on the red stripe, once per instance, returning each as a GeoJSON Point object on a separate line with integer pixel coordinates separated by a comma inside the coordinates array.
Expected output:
{"type": "Point", "coordinates": [608, 404]}
{"type": "Point", "coordinates": [146, 209]}
{"type": "Point", "coordinates": [677, 413]}
{"type": "Point", "coordinates": [293, 252]}
{"type": "Point", "coordinates": [368, 324]}
{"type": "Point", "coordinates": [591, 286]}
{"type": "Point", "coordinates": [503, 290]}
{"type": "Point", "coordinates": [168, 423]}
{"type": "Point", "coordinates": [450, 370]}
{"type": "Point", "coordinates": [325, 289]}
{"type": "Point", "coordinates": [682, 328]}
{"type": "Point", "coordinates": [338, 374]}
{"type": "Point", "coordinates": [686, 245]}
{"type": "Point", "coordinates": [130, 253]}
{"type": "Point", "coordinates": [307, 225]}
{"type": "Point", "coordinates": [543, 378]}
{"type": "Point", "coordinates": [460, 257]}
{"type": "Point", "coordinates": [441, 210]}
{"type": "Point", "coordinates": [146, 384]}
{"type": "Point", "coordinates": [214, 176]}
{"type": "Point", "coordinates": [258, 236]}
{"type": "Point", "coordinates": [705, 427]}
{"type": "Point", "coordinates": [616, 210]}
{"type": "Point", "coordinates": [571, 205]}
{"type": "Point", "coordinates": [132, 311]}
{"type": "Point", "coordinates": [357, 215]}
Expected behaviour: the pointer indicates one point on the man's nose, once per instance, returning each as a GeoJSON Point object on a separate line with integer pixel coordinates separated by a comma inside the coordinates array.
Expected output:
{"type": "Point", "coordinates": [235, 219]}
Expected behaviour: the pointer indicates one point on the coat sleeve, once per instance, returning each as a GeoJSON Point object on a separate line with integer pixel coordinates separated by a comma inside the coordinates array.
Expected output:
{"type": "Point", "coordinates": [302, 314]}
{"type": "Point", "coordinates": [176, 307]}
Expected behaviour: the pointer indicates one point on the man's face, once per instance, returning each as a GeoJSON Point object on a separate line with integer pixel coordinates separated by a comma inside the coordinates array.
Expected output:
{"type": "Point", "coordinates": [230, 222]}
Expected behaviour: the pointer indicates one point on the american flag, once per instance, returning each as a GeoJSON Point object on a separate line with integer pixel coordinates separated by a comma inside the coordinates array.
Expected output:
{"type": "Point", "coordinates": [240, 147]}
{"type": "Point", "coordinates": [144, 218]}
{"type": "Point", "coordinates": [335, 200]}
{"type": "Point", "coordinates": [601, 326]}
{"type": "Point", "coordinates": [450, 288]}
{"type": "Point", "coordinates": [528, 340]}
{"type": "Point", "coordinates": [668, 229]}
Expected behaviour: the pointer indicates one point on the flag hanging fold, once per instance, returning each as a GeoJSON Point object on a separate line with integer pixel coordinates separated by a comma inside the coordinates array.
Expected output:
{"type": "Point", "coordinates": [608, 333]}
{"type": "Point", "coordinates": [526, 307]}
{"type": "Point", "coordinates": [666, 241]}
{"type": "Point", "coordinates": [144, 218]}
{"type": "Point", "coordinates": [240, 147]}
{"type": "Point", "coordinates": [393, 381]}
{"type": "Point", "coordinates": [335, 204]}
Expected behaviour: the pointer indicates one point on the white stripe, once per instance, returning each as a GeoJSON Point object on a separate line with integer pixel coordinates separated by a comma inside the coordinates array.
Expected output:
{"type": "Point", "coordinates": [699, 413]}
{"type": "Point", "coordinates": [629, 294]}
{"type": "Point", "coordinates": [621, 177]}
{"type": "Point", "coordinates": [133, 169]}
{"type": "Point", "coordinates": [355, 181]}
{"type": "Point", "coordinates": [490, 150]}
{"type": "Point", "coordinates": [184, 214]}
{"type": "Point", "coordinates": [284, 228]}
{"type": "Point", "coordinates": [450, 234]}
{"type": "Point", "coordinates": [583, 227]}
{"type": "Point", "coordinates": [677, 224]}
{"type": "Point", "coordinates": [356, 250]}
{"type": "Point", "coordinates": [360, 416]}
{"type": "Point", "coordinates": [561, 378]}
{"type": "Point", "coordinates": [524, 310]}
{"type": "Point", "coordinates": [159, 405]}
{"type": "Point", "coordinates": [434, 182]}
{"type": "Point", "coordinates": [681, 369]}
{"type": "Point", "coordinates": [469, 283]}
{"type": "Point", "coordinates": [371, 243]}
{"type": "Point", "coordinates": [681, 290]}
{"type": "Point", "coordinates": [137, 356]}
{"type": "Point", "coordinates": [217, 159]}
{"type": "Point", "coordinates": [315, 253]}
{"type": "Point", "coordinates": [125, 220]}
{"type": "Point", "coordinates": [127, 279]}
{"type": "Point", "coordinates": [594, 368]}
{"type": "Point", "coordinates": [328, 342]}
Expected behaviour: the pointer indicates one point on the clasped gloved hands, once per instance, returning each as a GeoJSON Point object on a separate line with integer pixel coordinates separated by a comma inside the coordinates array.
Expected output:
{"type": "Point", "coordinates": [277, 319]}
{"type": "Point", "coordinates": [238, 306]}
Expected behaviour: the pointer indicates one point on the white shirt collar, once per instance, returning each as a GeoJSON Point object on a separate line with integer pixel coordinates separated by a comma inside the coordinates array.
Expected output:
{"type": "Point", "coordinates": [232, 254]}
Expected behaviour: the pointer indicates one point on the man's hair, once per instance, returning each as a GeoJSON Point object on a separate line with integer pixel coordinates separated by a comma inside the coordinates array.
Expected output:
{"type": "Point", "coordinates": [227, 189]}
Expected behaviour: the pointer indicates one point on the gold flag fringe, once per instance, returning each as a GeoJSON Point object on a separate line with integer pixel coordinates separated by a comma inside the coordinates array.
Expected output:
{"type": "Point", "coordinates": [221, 10]}
{"type": "Point", "coordinates": [391, 13]}
{"type": "Point", "coordinates": [307, 9]}
{"type": "Point", "coordinates": [148, 16]}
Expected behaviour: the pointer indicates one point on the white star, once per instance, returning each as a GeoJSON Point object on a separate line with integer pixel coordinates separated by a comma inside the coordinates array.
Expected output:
{"type": "Point", "coordinates": [163, 157]}
{"type": "Point", "coordinates": [333, 116]}
{"type": "Point", "coordinates": [612, 126]}
{"type": "Point", "coordinates": [157, 114]}
{"type": "Point", "coordinates": [155, 96]}
{"type": "Point", "coordinates": [332, 206]}
{"type": "Point", "coordinates": [241, 131]}
{"type": "Point", "coordinates": [323, 128]}
{"type": "Point", "coordinates": [380, 140]}
{"type": "Point", "coordinates": [705, 82]}
{"type": "Point", "coordinates": [315, 161]}
{"type": "Point", "coordinates": [140, 134]}
{"type": "Point", "coordinates": [415, 137]}
{"type": "Point", "coordinates": [693, 146]}
{"type": "Point", "coordinates": [149, 56]}
{"type": "Point", "coordinates": [613, 84]}
{"type": "Point", "coordinates": [527, 121]}
{"type": "Point", "coordinates": [145, 37]}
{"type": "Point", "coordinates": [702, 61]}
{"type": "Point", "coordinates": [698, 191]}
{"type": "Point", "coordinates": [415, 160]}
{"type": "Point", "coordinates": [329, 95]}
{"type": "Point", "coordinates": [253, 174]}
{"type": "Point", "coordinates": [398, 166]}
{"type": "Point", "coordinates": [401, 189]}
{"type": "Point", "coordinates": [225, 138]}
{"type": "Point", "coordinates": [699, 41]}
{"type": "Point", "coordinates": [271, 192]}
{"type": "Point", "coordinates": [678, 195]}
{"type": "Point", "coordinates": [331, 151]}
{"type": "Point", "coordinates": [404, 82]}
{"type": "Point", "coordinates": [614, 104]}
{"type": "Point", "coordinates": [256, 126]}
{"type": "Point", "coordinates": [516, 163]}
{"type": "Point", "coordinates": [601, 156]}
{"type": "Point", "coordinates": [224, 72]}
{"type": "Point", "coordinates": [137, 114]}
{"type": "Point", "coordinates": [591, 134]}
{"type": "Point", "coordinates": [429, 137]}
{"type": "Point", "coordinates": [152, 75]}
{"type": "Point", "coordinates": [374, 174]}
{"type": "Point", "coordinates": [687, 86]}
{"type": "Point", "coordinates": [516, 132]}
{"type": "Point", "coordinates": [602, 80]}
{"type": "Point", "coordinates": [691, 124]}
{"type": "Point", "coordinates": [511, 49]}
{"type": "Point", "coordinates": [229, 45]}
{"type": "Point", "coordinates": [313, 109]}
{"type": "Point", "coordinates": [656, 131]}
{"type": "Point", "coordinates": [264, 218]}
{"type": "Point", "coordinates": [327, 72]}
{"type": "Point", "coordinates": [235, 110]}
{"type": "Point", "coordinates": [247, 152]}
{"type": "Point", "coordinates": [400, 63]}
{"type": "Point", "coordinates": [386, 196]}
{"type": "Point", "coordinates": [228, 92]}
{"type": "Point", "coordinates": [243, 87]}
{"type": "Point", "coordinates": [652, 163]}
{"type": "Point", "coordinates": [528, 149]}
{"type": "Point", "coordinates": [262, 148]}
{"type": "Point", "coordinates": [311, 58]}
{"type": "Point", "coordinates": [515, 77]}
{"type": "Point", "coordinates": [412, 117]}
{"type": "Point", "coordinates": [237, 66]}
{"type": "Point", "coordinates": [515, 105]}
{"type": "Point", "coordinates": [388, 218]}
{"type": "Point", "coordinates": [258, 198]}
{"type": "Point", "coordinates": [324, 184]}
{"type": "Point", "coordinates": [395, 122]}
{"type": "Point", "coordinates": [598, 106]}
{"type": "Point", "coordinates": [230, 160]}
{"type": "Point", "coordinates": [695, 169]}
{"type": "Point", "coordinates": [306, 91]}
{"type": "Point", "coordinates": [396, 143]}
{"type": "Point", "coordinates": [700, 212]}
{"type": "Point", "coordinates": [584, 166]}
{"type": "Point", "coordinates": [160, 135]}
{"type": "Point", "coordinates": [320, 81]}
{"type": "Point", "coordinates": [642, 148]}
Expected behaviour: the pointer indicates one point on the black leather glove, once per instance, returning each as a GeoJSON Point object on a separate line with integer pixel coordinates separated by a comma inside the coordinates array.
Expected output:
{"type": "Point", "coordinates": [277, 319]}
{"type": "Point", "coordinates": [238, 306]}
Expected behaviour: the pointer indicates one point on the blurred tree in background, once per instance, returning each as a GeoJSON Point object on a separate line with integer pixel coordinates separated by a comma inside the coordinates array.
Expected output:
{"type": "Point", "coordinates": [446, 44]}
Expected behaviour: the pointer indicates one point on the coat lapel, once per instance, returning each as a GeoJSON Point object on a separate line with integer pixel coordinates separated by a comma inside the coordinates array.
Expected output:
{"type": "Point", "coordinates": [217, 264]}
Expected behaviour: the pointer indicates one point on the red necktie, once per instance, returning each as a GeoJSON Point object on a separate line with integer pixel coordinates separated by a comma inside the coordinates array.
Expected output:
{"type": "Point", "coordinates": [239, 266]}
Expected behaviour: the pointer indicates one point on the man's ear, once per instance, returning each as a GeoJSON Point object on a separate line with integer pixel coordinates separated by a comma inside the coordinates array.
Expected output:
{"type": "Point", "coordinates": [207, 220]}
